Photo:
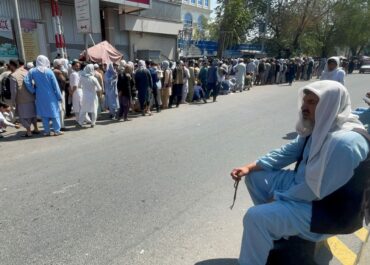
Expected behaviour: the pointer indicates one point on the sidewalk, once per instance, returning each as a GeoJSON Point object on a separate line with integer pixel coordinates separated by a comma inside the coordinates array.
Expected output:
{"type": "Point", "coordinates": [345, 249]}
{"type": "Point", "coordinates": [365, 256]}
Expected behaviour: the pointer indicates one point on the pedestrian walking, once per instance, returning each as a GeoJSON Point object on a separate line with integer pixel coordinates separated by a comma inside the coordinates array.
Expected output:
{"type": "Point", "coordinates": [90, 102]}
{"type": "Point", "coordinates": [333, 71]}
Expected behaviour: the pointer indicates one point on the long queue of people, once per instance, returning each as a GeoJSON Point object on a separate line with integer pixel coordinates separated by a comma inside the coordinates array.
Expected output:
{"type": "Point", "coordinates": [84, 90]}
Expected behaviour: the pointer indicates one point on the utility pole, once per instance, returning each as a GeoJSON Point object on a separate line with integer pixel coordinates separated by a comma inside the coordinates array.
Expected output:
{"type": "Point", "coordinates": [266, 22]}
{"type": "Point", "coordinates": [58, 28]}
{"type": "Point", "coordinates": [221, 38]}
{"type": "Point", "coordinates": [18, 30]}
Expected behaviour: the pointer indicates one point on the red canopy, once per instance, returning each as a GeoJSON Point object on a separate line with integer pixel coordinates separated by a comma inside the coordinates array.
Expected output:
{"type": "Point", "coordinates": [102, 52]}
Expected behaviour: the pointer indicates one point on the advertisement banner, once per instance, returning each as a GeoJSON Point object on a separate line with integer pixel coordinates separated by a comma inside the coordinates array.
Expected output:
{"type": "Point", "coordinates": [30, 39]}
{"type": "Point", "coordinates": [145, 2]}
{"type": "Point", "coordinates": [83, 16]}
{"type": "Point", "coordinates": [8, 46]}
{"type": "Point", "coordinates": [127, 4]}
{"type": "Point", "coordinates": [87, 14]}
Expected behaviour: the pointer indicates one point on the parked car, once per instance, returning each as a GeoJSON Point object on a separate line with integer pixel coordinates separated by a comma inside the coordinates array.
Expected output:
{"type": "Point", "coordinates": [365, 65]}
{"type": "Point", "coordinates": [365, 68]}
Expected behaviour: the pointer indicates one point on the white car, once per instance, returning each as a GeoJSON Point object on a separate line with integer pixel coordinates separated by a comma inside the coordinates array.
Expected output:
{"type": "Point", "coordinates": [365, 68]}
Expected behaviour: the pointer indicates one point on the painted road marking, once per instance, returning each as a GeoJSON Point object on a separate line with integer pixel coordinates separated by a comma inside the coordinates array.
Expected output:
{"type": "Point", "coordinates": [65, 189]}
{"type": "Point", "coordinates": [339, 250]}
{"type": "Point", "coordinates": [362, 234]}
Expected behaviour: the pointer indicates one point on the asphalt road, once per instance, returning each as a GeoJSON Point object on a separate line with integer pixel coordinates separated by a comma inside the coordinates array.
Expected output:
{"type": "Point", "coordinates": [155, 190]}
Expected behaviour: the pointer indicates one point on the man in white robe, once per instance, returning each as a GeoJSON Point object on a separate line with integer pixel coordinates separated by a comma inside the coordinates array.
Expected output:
{"type": "Point", "coordinates": [333, 71]}
{"type": "Point", "coordinates": [75, 90]}
{"type": "Point", "coordinates": [328, 151]}
{"type": "Point", "coordinates": [90, 102]}
{"type": "Point", "coordinates": [240, 71]}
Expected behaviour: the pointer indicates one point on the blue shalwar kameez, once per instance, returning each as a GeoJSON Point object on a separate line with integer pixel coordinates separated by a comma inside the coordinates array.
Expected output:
{"type": "Point", "coordinates": [290, 212]}
{"type": "Point", "coordinates": [45, 86]}
{"type": "Point", "coordinates": [111, 92]}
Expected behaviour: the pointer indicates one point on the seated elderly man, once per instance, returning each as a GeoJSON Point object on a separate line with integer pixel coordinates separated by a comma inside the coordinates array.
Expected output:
{"type": "Point", "coordinates": [330, 146]}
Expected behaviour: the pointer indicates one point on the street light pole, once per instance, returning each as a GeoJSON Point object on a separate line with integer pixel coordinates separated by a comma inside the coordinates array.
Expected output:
{"type": "Point", "coordinates": [18, 28]}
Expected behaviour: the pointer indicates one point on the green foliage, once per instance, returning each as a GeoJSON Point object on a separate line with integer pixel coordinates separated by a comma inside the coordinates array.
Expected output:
{"type": "Point", "coordinates": [295, 27]}
{"type": "Point", "coordinates": [234, 20]}
{"type": "Point", "coordinates": [353, 29]}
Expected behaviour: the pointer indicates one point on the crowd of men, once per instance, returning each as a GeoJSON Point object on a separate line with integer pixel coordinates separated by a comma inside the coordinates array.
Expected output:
{"type": "Point", "coordinates": [84, 90]}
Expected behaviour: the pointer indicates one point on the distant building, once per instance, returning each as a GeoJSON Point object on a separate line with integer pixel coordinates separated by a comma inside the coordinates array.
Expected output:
{"type": "Point", "coordinates": [192, 12]}
{"type": "Point", "coordinates": [145, 29]}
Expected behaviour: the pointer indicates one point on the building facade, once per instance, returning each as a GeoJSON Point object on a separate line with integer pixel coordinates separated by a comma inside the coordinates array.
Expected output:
{"type": "Point", "coordinates": [194, 11]}
{"type": "Point", "coordinates": [194, 15]}
{"type": "Point", "coordinates": [33, 29]}
{"type": "Point", "coordinates": [137, 28]}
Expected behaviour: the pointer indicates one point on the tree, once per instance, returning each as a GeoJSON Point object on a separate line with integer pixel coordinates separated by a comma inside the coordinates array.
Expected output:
{"type": "Point", "coordinates": [353, 29]}
{"type": "Point", "coordinates": [234, 20]}
{"type": "Point", "coordinates": [289, 24]}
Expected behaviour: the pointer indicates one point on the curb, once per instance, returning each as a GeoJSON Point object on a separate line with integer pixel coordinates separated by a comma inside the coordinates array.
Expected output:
{"type": "Point", "coordinates": [342, 249]}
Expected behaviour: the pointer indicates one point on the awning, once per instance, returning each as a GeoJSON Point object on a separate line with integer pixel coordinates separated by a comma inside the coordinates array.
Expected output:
{"type": "Point", "coordinates": [102, 52]}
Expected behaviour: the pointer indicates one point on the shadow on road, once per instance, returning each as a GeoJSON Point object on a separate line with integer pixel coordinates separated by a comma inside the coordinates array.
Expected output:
{"type": "Point", "coordinates": [218, 262]}
{"type": "Point", "coordinates": [290, 136]}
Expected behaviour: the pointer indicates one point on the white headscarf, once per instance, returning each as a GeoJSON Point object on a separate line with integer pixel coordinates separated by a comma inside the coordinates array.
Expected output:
{"type": "Point", "coordinates": [328, 75]}
{"type": "Point", "coordinates": [66, 66]}
{"type": "Point", "coordinates": [89, 70]}
{"type": "Point", "coordinates": [42, 63]}
{"type": "Point", "coordinates": [30, 65]}
{"type": "Point", "coordinates": [122, 64]}
{"type": "Point", "coordinates": [333, 115]}
{"type": "Point", "coordinates": [141, 64]}
{"type": "Point", "coordinates": [57, 62]}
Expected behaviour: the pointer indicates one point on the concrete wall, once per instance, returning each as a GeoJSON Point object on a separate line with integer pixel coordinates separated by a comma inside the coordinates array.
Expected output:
{"type": "Point", "coordinates": [27, 9]}
{"type": "Point", "coordinates": [74, 40]}
{"type": "Point", "coordinates": [167, 44]}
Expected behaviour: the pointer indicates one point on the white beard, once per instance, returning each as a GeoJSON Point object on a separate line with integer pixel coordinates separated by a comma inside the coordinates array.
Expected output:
{"type": "Point", "coordinates": [305, 127]}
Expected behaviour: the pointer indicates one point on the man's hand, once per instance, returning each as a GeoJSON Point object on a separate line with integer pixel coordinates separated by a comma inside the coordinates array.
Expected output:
{"type": "Point", "coordinates": [238, 173]}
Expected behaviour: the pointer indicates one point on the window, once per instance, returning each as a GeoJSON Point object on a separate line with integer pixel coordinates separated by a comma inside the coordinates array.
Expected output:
{"type": "Point", "coordinates": [188, 20]}
{"type": "Point", "coordinates": [200, 2]}
{"type": "Point", "coordinates": [200, 22]}
{"type": "Point", "coordinates": [206, 3]}
{"type": "Point", "coordinates": [193, 2]}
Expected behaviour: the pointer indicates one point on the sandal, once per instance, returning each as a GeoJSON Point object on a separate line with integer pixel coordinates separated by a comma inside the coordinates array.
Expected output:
{"type": "Point", "coordinates": [27, 135]}
{"type": "Point", "coordinates": [58, 133]}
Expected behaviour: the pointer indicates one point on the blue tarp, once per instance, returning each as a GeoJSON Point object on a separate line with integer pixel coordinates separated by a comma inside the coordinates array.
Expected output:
{"type": "Point", "coordinates": [211, 47]}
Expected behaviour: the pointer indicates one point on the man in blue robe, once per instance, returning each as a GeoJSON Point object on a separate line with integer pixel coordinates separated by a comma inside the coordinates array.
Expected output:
{"type": "Point", "coordinates": [41, 81]}
{"type": "Point", "coordinates": [328, 150]}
